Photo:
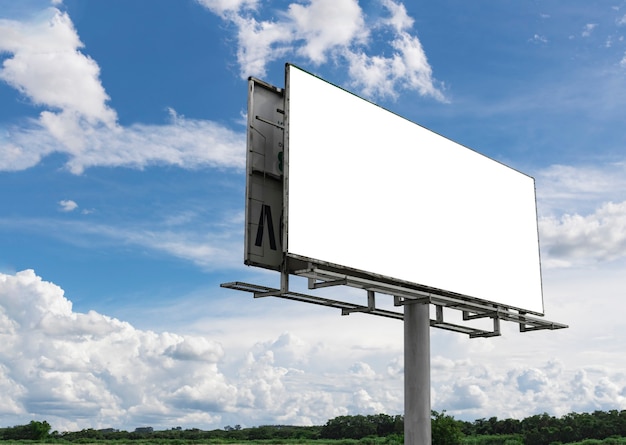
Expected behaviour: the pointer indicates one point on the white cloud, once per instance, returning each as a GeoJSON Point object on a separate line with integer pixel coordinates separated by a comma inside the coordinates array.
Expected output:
{"type": "Point", "coordinates": [287, 350]}
{"type": "Point", "coordinates": [575, 189]}
{"type": "Point", "coordinates": [67, 205]}
{"type": "Point", "coordinates": [311, 30]}
{"type": "Point", "coordinates": [221, 7]}
{"type": "Point", "coordinates": [531, 380]}
{"type": "Point", "coordinates": [195, 349]}
{"type": "Point", "coordinates": [114, 374]}
{"type": "Point", "coordinates": [395, 368]}
{"type": "Point", "coordinates": [413, 69]}
{"type": "Point", "coordinates": [572, 239]}
{"type": "Point", "coordinates": [48, 68]}
{"type": "Point", "coordinates": [206, 250]}
{"type": "Point", "coordinates": [362, 370]}
{"type": "Point", "coordinates": [588, 29]}
{"type": "Point", "coordinates": [186, 143]}
{"type": "Point", "coordinates": [206, 246]}
{"type": "Point", "coordinates": [259, 43]}
{"type": "Point", "coordinates": [538, 38]}
{"type": "Point", "coordinates": [470, 393]}
{"type": "Point", "coordinates": [324, 25]}
{"type": "Point", "coordinates": [338, 30]}
{"type": "Point", "coordinates": [62, 365]}
{"type": "Point", "coordinates": [399, 19]}
{"type": "Point", "coordinates": [11, 392]}
{"type": "Point", "coordinates": [582, 214]}
{"type": "Point", "coordinates": [89, 366]}
{"type": "Point", "coordinates": [467, 396]}
{"type": "Point", "coordinates": [363, 402]}
{"type": "Point", "coordinates": [406, 69]}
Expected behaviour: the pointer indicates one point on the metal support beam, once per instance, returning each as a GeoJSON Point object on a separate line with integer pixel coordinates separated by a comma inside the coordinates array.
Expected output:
{"type": "Point", "coordinates": [417, 429]}
{"type": "Point", "coordinates": [371, 299]}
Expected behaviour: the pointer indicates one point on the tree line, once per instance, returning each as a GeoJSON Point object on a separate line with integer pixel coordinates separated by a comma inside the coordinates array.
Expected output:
{"type": "Point", "coordinates": [541, 429]}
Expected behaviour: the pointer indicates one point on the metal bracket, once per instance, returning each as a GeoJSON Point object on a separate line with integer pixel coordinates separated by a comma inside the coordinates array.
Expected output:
{"type": "Point", "coordinates": [371, 305]}
{"type": "Point", "coordinates": [402, 295]}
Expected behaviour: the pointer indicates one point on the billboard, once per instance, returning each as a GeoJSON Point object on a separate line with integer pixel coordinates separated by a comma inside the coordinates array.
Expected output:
{"type": "Point", "coordinates": [367, 190]}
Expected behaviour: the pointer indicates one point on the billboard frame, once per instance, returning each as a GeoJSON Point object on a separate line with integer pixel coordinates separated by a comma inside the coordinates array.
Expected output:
{"type": "Point", "coordinates": [268, 117]}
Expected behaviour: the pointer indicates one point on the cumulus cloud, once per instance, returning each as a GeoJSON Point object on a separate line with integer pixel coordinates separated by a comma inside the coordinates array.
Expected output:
{"type": "Point", "coordinates": [70, 365]}
{"type": "Point", "coordinates": [80, 370]}
{"type": "Point", "coordinates": [531, 380]}
{"type": "Point", "coordinates": [67, 205]}
{"type": "Point", "coordinates": [362, 370]}
{"type": "Point", "coordinates": [326, 24]}
{"type": "Point", "coordinates": [287, 350]}
{"type": "Point", "coordinates": [395, 368]}
{"type": "Point", "coordinates": [47, 66]}
{"type": "Point", "coordinates": [597, 237]}
{"type": "Point", "coordinates": [408, 68]}
{"type": "Point", "coordinates": [581, 212]}
{"type": "Point", "coordinates": [88, 370]}
{"type": "Point", "coordinates": [259, 42]}
{"type": "Point", "coordinates": [517, 392]}
{"type": "Point", "coordinates": [467, 396]}
{"type": "Point", "coordinates": [399, 18]}
{"type": "Point", "coordinates": [364, 403]}
{"type": "Point", "coordinates": [195, 349]}
{"type": "Point", "coordinates": [338, 30]}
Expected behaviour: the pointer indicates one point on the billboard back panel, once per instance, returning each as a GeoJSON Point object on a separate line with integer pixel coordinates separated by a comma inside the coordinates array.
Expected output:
{"type": "Point", "coordinates": [369, 190]}
{"type": "Point", "coordinates": [264, 182]}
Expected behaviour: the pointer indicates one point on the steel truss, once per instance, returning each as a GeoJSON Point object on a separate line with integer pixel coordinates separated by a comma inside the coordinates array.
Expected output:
{"type": "Point", "coordinates": [472, 309]}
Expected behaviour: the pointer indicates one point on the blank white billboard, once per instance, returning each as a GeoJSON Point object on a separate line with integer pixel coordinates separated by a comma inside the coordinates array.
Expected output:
{"type": "Point", "coordinates": [369, 190]}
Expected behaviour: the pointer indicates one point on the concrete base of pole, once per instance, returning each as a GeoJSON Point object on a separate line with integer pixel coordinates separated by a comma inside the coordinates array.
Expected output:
{"type": "Point", "coordinates": [417, 429]}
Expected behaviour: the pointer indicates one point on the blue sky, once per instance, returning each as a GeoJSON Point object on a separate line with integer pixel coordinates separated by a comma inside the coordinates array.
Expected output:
{"type": "Point", "coordinates": [122, 146]}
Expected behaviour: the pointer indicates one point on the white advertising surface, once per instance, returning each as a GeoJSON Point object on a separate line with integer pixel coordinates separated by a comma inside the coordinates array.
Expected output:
{"type": "Point", "coordinates": [369, 190]}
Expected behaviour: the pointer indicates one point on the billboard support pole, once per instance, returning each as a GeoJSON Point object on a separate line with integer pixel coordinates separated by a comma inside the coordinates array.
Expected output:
{"type": "Point", "coordinates": [417, 427]}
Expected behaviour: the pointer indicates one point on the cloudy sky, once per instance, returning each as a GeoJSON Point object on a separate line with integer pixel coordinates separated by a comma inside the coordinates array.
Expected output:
{"type": "Point", "coordinates": [122, 152]}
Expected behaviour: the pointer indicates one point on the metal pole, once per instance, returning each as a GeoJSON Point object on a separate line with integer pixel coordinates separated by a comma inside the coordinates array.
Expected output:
{"type": "Point", "coordinates": [417, 430]}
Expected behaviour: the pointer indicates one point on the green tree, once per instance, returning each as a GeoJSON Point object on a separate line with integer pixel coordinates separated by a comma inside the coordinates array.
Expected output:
{"type": "Point", "coordinates": [33, 431]}
{"type": "Point", "coordinates": [349, 427]}
{"type": "Point", "coordinates": [445, 430]}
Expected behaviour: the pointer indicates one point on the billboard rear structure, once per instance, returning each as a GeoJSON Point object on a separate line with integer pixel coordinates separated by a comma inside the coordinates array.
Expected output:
{"type": "Point", "coordinates": [342, 192]}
